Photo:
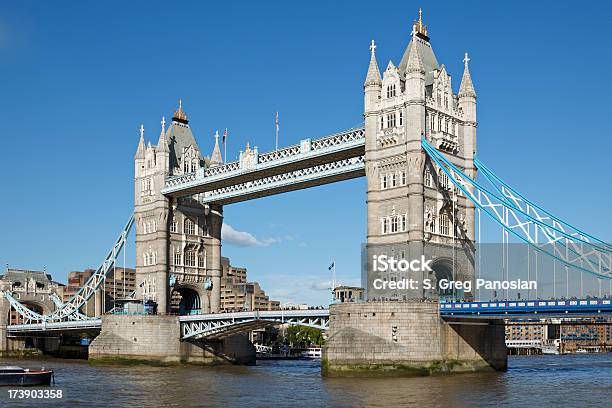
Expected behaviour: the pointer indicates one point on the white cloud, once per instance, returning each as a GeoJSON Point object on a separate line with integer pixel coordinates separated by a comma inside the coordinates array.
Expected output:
{"type": "Point", "coordinates": [302, 245]}
{"type": "Point", "coordinates": [243, 238]}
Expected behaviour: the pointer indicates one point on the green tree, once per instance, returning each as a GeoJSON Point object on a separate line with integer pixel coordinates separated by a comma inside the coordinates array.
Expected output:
{"type": "Point", "coordinates": [302, 336]}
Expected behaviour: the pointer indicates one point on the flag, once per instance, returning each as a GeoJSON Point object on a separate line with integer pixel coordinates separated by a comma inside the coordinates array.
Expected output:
{"type": "Point", "coordinates": [332, 266]}
{"type": "Point", "coordinates": [224, 135]}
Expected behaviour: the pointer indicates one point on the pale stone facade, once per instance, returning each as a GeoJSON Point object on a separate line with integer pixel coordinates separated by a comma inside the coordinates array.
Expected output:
{"type": "Point", "coordinates": [412, 207]}
{"type": "Point", "coordinates": [178, 241]}
{"type": "Point", "coordinates": [408, 338]}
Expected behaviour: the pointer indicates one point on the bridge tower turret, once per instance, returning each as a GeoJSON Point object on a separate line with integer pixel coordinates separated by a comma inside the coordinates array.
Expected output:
{"type": "Point", "coordinates": [413, 210]}
{"type": "Point", "coordinates": [151, 221]}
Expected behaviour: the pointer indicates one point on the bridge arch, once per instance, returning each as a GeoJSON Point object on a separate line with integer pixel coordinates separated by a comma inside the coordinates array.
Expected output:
{"type": "Point", "coordinates": [189, 298]}
{"type": "Point", "coordinates": [443, 271]}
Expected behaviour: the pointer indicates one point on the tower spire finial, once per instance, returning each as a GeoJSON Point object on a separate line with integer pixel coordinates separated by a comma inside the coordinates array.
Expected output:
{"type": "Point", "coordinates": [373, 76]}
{"type": "Point", "coordinates": [179, 114]}
{"type": "Point", "coordinates": [467, 87]}
{"type": "Point", "coordinates": [163, 124]}
{"type": "Point", "coordinates": [140, 151]}
{"type": "Point", "coordinates": [418, 24]}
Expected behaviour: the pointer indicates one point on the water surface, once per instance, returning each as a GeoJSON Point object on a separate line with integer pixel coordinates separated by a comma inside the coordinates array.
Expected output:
{"type": "Point", "coordinates": [536, 381]}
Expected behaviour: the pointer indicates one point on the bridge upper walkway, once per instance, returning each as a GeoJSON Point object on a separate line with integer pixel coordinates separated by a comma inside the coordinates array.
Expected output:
{"type": "Point", "coordinates": [309, 163]}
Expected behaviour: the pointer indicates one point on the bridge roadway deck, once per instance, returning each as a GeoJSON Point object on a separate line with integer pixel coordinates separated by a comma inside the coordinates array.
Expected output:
{"type": "Point", "coordinates": [196, 325]}
{"type": "Point", "coordinates": [528, 308]}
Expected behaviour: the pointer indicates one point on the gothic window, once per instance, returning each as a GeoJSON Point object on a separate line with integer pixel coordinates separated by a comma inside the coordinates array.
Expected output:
{"type": "Point", "coordinates": [403, 178]}
{"type": "Point", "coordinates": [185, 166]}
{"type": "Point", "coordinates": [394, 224]}
{"type": "Point", "coordinates": [404, 223]}
{"type": "Point", "coordinates": [393, 179]}
{"type": "Point", "coordinates": [432, 224]}
{"type": "Point", "coordinates": [190, 258]}
{"type": "Point", "coordinates": [189, 228]}
{"type": "Point", "coordinates": [174, 226]}
{"type": "Point", "coordinates": [428, 179]}
{"type": "Point", "coordinates": [432, 125]}
{"type": "Point", "coordinates": [401, 117]}
{"type": "Point", "coordinates": [446, 129]}
{"type": "Point", "coordinates": [391, 91]}
{"type": "Point", "coordinates": [201, 260]}
{"type": "Point", "coordinates": [146, 184]}
{"type": "Point", "coordinates": [383, 182]}
{"type": "Point", "coordinates": [446, 100]}
{"type": "Point", "coordinates": [382, 122]}
{"type": "Point", "coordinates": [194, 166]}
{"type": "Point", "coordinates": [391, 120]}
{"type": "Point", "coordinates": [385, 225]}
{"type": "Point", "coordinates": [444, 224]}
{"type": "Point", "coordinates": [150, 258]}
{"type": "Point", "coordinates": [443, 180]}
{"type": "Point", "coordinates": [439, 123]}
{"type": "Point", "coordinates": [177, 258]}
{"type": "Point", "coordinates": [439, 98]}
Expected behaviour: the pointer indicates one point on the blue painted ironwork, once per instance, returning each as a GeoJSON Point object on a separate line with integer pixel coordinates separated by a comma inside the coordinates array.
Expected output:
{"type": "Point", "coordinates": [508, 308]}
{"type": "Point", "coordinates": [571, 249]}
{"type": "Point", "coordinates": [70, 309]}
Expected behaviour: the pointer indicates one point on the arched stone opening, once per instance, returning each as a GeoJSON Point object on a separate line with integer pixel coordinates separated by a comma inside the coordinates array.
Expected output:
{"type": "Point", "coordinates": [443, 273]}
{"type": "Point", "coordinates": [186, 300]}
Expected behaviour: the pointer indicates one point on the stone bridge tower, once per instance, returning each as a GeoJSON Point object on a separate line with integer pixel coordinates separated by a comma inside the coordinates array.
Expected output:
{"type": "Point", "coordinates": [178, 241]}
{"type": "Point", "coordinates": [413, 209]}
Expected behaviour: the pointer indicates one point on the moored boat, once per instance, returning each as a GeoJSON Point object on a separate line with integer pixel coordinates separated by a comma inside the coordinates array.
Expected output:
{"type": "Point", "coordinates": [312, 352]}
{"type": "Point", "coordinates": [18, 376]}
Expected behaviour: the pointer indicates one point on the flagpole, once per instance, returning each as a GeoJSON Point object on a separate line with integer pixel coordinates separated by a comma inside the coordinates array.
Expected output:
{"type": "Point", "coordinates": [334, 277]}
{"type": "Point", "coordinates": [277, 130]}
{"type": "Point", "coordinates": [225, 147]}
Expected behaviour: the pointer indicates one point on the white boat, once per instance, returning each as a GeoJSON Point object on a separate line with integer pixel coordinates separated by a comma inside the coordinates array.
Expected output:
{"type": "Point", "coordinates": [581, 351]}
{"type": "Point", "coordinates": [550, 349]}
{"type": "Point", "coordinates": [312, 352]}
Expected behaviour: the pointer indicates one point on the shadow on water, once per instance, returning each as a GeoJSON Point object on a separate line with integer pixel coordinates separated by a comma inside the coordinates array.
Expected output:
{"type": "Point", "coordinates": [577, 380]}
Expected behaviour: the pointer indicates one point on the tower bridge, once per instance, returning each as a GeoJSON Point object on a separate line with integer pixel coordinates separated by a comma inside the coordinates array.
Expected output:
{"type": "Point", "coordinates": [417, 150]}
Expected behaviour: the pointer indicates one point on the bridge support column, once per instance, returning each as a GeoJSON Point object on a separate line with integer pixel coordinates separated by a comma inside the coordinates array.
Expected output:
{"type": "Point", "coordinates": [98, 302]}
{"type": "Point", "coordinates": [409, 338]}
{"type": "Point", "coordinates": [4, 316]}
{"type": "Point", "coordinates": [157, 339]}
{"type": "Point", "coordinates": [213, 266]}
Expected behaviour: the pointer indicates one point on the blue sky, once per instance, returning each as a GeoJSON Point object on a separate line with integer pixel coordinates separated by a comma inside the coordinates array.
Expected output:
{"type": "Point", "coordinates": [80, 77]}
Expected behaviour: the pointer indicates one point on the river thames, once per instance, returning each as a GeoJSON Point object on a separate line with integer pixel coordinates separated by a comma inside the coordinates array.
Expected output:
{"type": "Point", "coordinates": [537, 381]}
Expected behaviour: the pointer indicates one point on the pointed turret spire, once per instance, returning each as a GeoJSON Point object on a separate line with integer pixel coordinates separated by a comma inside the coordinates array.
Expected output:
{"type": "Point", "coordinates": [162, 144]}
{"type": "Point", "coordinates": [373, 77]}
{"type": "Point", "coordinates": [414, 63]}
{"type": "Point", "coordinates": [140, 151]}
{"type": "Point", "coordinates": [467, 87]}
{"type": "Point", "coordinates": [215, 157]}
